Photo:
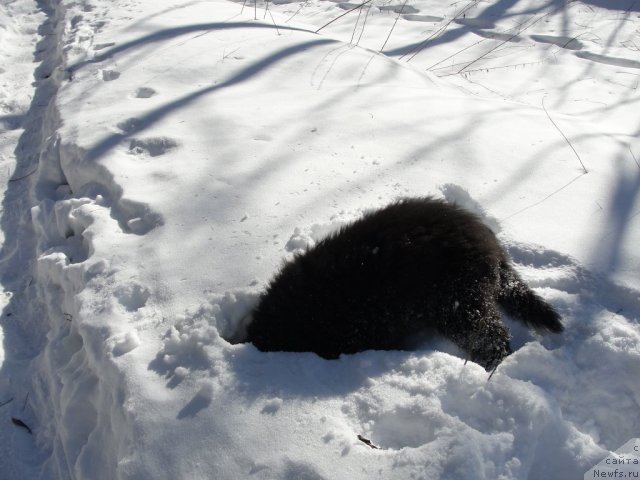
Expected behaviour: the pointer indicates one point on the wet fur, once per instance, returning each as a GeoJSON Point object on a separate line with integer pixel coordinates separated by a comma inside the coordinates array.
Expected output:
{"type": "Point", "coordinates": [416, 267]}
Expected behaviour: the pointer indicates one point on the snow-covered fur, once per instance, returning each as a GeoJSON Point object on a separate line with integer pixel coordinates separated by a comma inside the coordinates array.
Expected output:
{"type": "Point", "coordinates": [415, 268]}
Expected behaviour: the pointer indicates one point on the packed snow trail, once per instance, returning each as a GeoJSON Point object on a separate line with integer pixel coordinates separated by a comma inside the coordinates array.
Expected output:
{"type": "Point", "coordinates": [49, 380]}
{"type": "Point", "coordinates": [184, 148]}
{"type": "Point", "coordinates": [31, 54]}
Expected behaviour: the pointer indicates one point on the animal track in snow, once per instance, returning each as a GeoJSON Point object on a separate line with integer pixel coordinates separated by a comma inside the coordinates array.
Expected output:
{"type": "Point", "coordinates": [132, 296]}
{"type": "Point", "coordinates": [130, 125]}
{"type": "Point", "coordinates": [145, 92]}
{"type": "Point", "coordinates": [187, 344]}
{"type": "Point", "coordinates": [109, 75]}
{"type": "Point", "coordinates": [272, 406]}
{"type": "Point", "coordinates": [262, 137]}
{"type": "Point", "coordinates": [398, 428]}
{"type": "Point", "coordinates": [136, 217]}
{"type": "Point", "coordinates": [124, 343]}
{"type": "Point", "coordinates": [153, 146]}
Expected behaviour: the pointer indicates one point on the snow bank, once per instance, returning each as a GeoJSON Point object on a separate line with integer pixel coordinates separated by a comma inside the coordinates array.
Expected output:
{"type": "Point", "coordinates": [187, 149]}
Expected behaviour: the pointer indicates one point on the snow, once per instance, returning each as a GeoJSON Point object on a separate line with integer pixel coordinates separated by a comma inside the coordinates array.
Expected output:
{"type": "Point", "coordinates": [161, 159]}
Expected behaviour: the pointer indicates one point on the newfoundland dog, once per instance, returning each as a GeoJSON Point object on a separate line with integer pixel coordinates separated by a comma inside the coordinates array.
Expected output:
{"type": "Point", "coordinates": [416, 268]}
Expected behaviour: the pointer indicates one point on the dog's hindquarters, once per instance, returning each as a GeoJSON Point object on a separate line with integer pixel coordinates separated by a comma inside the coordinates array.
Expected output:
{"type": "Point", "coordinates": [523, 304]}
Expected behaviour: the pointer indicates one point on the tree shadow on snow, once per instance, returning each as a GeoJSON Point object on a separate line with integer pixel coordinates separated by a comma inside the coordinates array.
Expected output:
{"type": "Point", "coordinates": [136, 125]}
{"type": "Point", "coordinates": [169, 33]}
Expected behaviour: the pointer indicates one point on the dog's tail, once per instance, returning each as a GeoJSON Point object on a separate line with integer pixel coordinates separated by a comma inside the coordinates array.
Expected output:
{"type": "Point", "coordinates": [520, 302]}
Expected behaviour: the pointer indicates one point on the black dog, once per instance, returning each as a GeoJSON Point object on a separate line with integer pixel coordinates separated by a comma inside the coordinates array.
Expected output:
{"type": "Point", "coordinates": [414, 268]}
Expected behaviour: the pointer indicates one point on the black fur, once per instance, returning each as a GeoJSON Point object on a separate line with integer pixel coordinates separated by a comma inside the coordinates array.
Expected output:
{"type": "Point", "coordinates": [414, 268]}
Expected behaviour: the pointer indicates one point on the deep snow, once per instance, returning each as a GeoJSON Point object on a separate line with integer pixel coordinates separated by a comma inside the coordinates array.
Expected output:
{"type": "Point", "coordinates": [170, 154]}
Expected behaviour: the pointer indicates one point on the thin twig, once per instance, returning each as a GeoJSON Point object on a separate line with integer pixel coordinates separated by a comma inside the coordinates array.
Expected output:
{"type": "Point", "coordinates": [456, 53]}
{"type": "Point", "coordinates": [363, 25]}
{"type": "Point", "coordinates": [543, 199]}
{"type": "Point", "coordinates": [565, 137]}
{"type": "Point", "coordinates": [297, 11]}
{"type": "Point", "coordinates": [418, 48]}
{"type": "Point", "coordinates": [518, 32]}
{"type": "Point", "coordinates": [355, 26]}
{"type": "Point", "coordinates": [7, 402]}
{"type": "Point", "coordinates": [467, 48]}
{"type": "Point", "coordinates": [24, 176]}
{"type": "Point", "coordinates": [24, 405]}
{"type": "Point", "coordinates": [340, 16]}
{"type": "Point", "coordinates": [393, 26]}
{"type": "Point", "coordinates": [486, 69]}
{"type": "Point", "coordinates": [272, 19]}
{"type": "Point", "coordinates": [364, 70]}
{"type": "Point", "coordinates": [19, 423]}
{"type": "Point", "coordinates": [490, 51]}
{"type": "Point", "coordinates": [634, 157]}
{"type": "Point", "coordinates": [368, 442]}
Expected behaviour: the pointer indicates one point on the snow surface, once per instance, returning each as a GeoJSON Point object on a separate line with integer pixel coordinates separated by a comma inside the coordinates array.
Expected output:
{"type": "Point", "coordinates": [160, 158]}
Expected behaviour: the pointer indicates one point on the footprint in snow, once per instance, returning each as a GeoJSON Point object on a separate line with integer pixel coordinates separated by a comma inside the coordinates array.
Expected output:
{"type": "Point", "coordinates": [132, 296]}
{"type": "Point", "coordinates": [136, 217]}
{"type": "Point", "coordinates": [152, 146]}
{"type": "Point", "coordinates": [109, 75]}
{"type": "Point", "coordinates": [130, 125]}
{"type": "Point", "coordinates": [272, 406]}
{"type": "Point", "coordinates": [144, 92]}
{"type": "Point", "coordinates": [263, 137]}
{"type": "Point", "coordinates": [125, 343]}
